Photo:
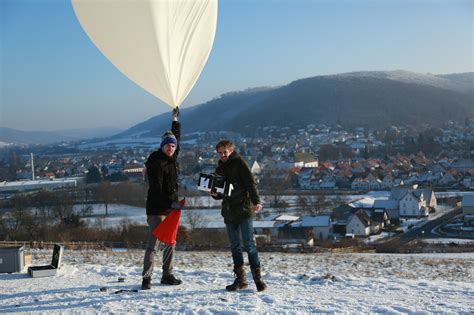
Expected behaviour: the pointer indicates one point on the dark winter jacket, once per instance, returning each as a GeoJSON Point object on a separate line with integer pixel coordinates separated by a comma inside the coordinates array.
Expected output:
{"type": "Point", "coordinates": [162, 174]}
{"type": "Point", "coordinates": [239, 205]}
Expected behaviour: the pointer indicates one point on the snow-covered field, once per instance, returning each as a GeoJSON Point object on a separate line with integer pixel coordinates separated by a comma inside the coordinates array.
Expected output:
{"type": "Point", "coordinates": [297, 283]}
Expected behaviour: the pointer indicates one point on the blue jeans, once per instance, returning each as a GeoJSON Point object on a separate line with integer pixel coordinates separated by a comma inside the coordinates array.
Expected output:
{"type": "Point", "coordinates": [243, 233]}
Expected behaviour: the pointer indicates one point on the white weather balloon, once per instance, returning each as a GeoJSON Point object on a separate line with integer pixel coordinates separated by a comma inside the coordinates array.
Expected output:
{"type": "Point", "coordinates": [161, 45]}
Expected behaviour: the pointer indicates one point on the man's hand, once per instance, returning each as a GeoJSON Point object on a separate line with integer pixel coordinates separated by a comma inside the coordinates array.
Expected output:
{"type": "Point", "coordinates": [213, 194]}
{"type": "Point", "coordinates": [257, 207]}
{"type": "Point", "coordinates": [175, 113]}
{"type": "Point", "coordinates": [178, 204]}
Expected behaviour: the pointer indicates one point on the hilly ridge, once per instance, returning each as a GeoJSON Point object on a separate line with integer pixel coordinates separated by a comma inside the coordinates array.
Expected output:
{"type": "Point", "coordinates": [371, 99]}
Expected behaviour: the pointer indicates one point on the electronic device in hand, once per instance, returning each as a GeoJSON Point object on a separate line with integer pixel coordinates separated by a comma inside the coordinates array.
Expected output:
{"type": "Point", "coordinates": [214, 183]}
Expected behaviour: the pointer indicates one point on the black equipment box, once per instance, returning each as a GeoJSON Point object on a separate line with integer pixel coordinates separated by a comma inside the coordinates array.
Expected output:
{"type": "Point", "coordinates": [48, 270]}
{"type": "Point", "coordinates": [214, 183]}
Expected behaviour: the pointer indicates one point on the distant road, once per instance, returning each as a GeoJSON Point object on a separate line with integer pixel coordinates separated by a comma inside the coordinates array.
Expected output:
{"type": "Point", "coordinates": [425, 231]}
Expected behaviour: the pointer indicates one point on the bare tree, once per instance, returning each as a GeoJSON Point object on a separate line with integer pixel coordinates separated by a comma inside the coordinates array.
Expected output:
{"type": "Point", "coordinates": [130, 193]}
{"type": "Point", "coordinates": [23, 223]}
{"type": "Point", "coordinates": [194, 219]}
{"type": "Point", "coordinates": [104, 194]}
{"type": "Point", "coordinates": [3, 227]}
{"type": "Point", "coordinates": [312, 204]}
{"type": "Point", "coordinates": [275, 183]}
{"type": "Point", "coordinates": [320, 205]}
{"type": "Point", "coordinates": [63, 207]}
{"type": "Point", "coordinates": [43, 202]}
{"type": "Point", "coordinates": [303, 204]}
{"type": "Point", "coordinates": [20, 205]}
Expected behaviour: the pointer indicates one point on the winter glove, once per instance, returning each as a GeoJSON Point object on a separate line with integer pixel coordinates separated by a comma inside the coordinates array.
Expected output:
{"type": "Point", "coordinates": [178, 204]}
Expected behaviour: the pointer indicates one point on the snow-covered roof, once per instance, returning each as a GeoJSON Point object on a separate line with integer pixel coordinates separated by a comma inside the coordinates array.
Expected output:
{"type": "Point", "coordinates": [386, 204]}
{"type": "Point", "coordinates": [362, 216]}
{"type": "Point", "coordinates": [282, 217]}
{"type": "Point", "coordinates": [398, 193]}
{"type": "Point", "coordinates": [305, 157]}
{"type": "Point", "coordinates": [366, 202]}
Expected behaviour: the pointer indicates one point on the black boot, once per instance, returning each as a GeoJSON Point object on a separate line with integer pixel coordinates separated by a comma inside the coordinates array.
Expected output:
{"type": "Point", "coordinates": [170, 280]}
{"type": "Point", "coordinates": [146, 283]}
{"type": "Point", "coordinates": [240, 281]}
{"type": "Point", "coordinates": [257, 277]}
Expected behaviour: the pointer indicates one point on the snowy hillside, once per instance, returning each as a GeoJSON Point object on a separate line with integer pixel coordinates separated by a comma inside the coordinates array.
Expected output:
{"type": "Point", "coordinates": [449, 82]}
{"type": "Point", "coordinates": [297, 283]}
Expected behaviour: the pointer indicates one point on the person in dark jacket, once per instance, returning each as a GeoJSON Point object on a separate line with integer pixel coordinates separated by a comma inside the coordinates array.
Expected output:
{"type": "Point", "coordinates": [238, 208]}
{"type": "Point", "coordinates": [162, 173]}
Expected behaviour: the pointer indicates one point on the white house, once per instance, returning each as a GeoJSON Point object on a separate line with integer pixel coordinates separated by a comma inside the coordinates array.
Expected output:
{"type": "Point", "coordinates": [306, 230]}
{"type": "Point", "coordinates": [375, 184]}
{"type": "Point", "coordinates": [375, 226]}
{"type": "Point", "coordinates": [380, 218]}
{"type": "Point", "coordinates": [387, 182]}
{"type": "Point", "coordinates": [360, 184]}
{"type": "Point", "coordinates": [359, 224]}
{"type": "Point", "coordinates": [320, 225]}
{"type": "Point", "coordinates": [411, 205]}
{"type": "Point", "coordinates": [305, 159]}
{"type": "Point", "coordinates": [430, 197]}
{"type": "Point", "coordinates": [255, 168]}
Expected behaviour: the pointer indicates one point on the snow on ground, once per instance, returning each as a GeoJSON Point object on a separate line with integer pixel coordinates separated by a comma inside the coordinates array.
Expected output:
{"type": "Point", "coordinates": [297, 283]}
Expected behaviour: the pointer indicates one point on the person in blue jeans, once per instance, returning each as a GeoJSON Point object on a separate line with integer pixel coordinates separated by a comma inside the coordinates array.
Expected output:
{"type": "Point", "coordinates": [238, 208]}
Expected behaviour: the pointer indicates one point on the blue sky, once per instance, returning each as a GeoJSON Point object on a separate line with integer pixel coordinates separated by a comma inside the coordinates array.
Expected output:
{"type": "Point", "coordinates": [53, 77]}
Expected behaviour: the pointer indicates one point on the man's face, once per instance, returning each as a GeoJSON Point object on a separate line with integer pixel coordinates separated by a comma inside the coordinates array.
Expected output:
{"type": "Point", "coordinates": [169, 149]}
{"type": "Point", "coordinates": [224, 153]}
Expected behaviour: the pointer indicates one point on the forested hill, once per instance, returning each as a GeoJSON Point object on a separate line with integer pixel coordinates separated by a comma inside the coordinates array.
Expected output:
{"type": "Point", "coordinates": [377, 99]}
